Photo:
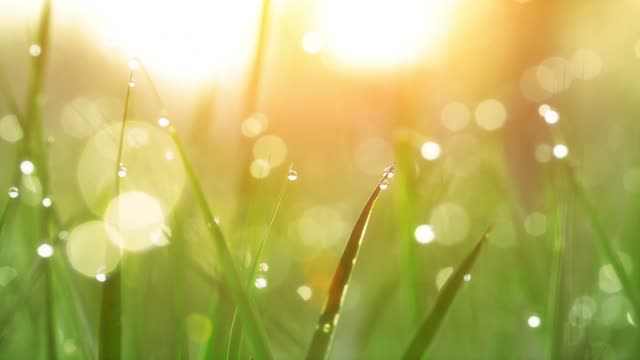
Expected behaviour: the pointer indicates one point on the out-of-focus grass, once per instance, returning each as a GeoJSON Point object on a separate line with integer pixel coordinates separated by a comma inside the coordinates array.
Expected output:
{"type": "Point", "coordinates": [586, 304]}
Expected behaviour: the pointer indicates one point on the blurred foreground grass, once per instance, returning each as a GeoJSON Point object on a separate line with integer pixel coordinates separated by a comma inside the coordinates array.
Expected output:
{"type": "Point", "coordinates": [133, 236]}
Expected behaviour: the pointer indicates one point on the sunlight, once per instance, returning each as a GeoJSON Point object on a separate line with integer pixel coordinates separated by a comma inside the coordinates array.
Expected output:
{"type": "Point", "coordinates": [383, 32]}
{"type": "Point", "coordinates": [189, 39]}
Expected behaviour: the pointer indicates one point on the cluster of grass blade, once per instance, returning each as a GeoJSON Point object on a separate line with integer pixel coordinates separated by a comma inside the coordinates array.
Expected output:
{"type": "Point", "coordinates": [429, 329]}
{"type": "Point", "coordinates": [32, 147]}
{"type": "Point", "coordinates": [247, 310]}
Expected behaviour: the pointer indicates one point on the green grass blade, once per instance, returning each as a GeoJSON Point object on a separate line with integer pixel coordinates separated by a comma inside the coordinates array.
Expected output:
{"type": "Point", "coordinates": [110, 338]}
{"type": "Point", "coordinates": [604, 241]}
{"type": "Point", "coordinates": [247, 309]}
{"type": "Point", "coordinates": [325, 329]}
{"type": "Point", "coordinates": [253, 268]}
{"type": "Point", "coordinates": [429, 328]}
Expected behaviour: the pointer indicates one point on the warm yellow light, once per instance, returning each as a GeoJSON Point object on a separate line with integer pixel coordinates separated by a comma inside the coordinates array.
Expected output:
{"type": "Point", "coordinates": [189, 39]}
{"type": "Point", "coordinates": [384, 32]}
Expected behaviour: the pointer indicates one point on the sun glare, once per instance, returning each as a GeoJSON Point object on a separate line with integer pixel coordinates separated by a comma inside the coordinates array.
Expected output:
{"type": "Point", "coordinates": [384, 32]}
{"type": "Point", "coordinates": [190, 39]}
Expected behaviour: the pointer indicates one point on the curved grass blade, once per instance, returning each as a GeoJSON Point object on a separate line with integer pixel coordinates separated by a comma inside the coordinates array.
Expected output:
{"type": "Point", "coordinates": [604, 241]}
{"type": "Point", "coordinates": [247, 309]}
{"type": "Point", "coordinates": [429, 329]}
{"type": "Point", "coordinates": [325, 330]}
{"type": "Point", "coordinates": [253, 272]}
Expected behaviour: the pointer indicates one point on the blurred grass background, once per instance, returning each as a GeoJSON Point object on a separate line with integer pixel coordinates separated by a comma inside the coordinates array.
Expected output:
{"type": "Point", "coordinates": [477, 96]}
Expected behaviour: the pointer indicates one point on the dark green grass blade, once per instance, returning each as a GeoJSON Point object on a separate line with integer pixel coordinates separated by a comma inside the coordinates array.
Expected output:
{"type": "Point", "coordinates": [247, 309]}
{"type": "Point", "coordinates": [429, 329]}
{"type": "Point", "coordinates": [110, 342]}
{"type": "Point", "coordinates": [604, 241]}
{"type": "Point", "coordinates": [325, 330]}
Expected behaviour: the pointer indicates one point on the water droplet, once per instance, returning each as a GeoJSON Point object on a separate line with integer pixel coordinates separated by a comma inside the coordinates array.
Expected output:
{"type": "Point", "coordinates": [122, 171]}
{"type": "Point", "coordinates": [264, 267]}
{"type": "Point", "coordinates": [261, 283]}
{"type": "Point", "coordinates": [45, 250]}
{"type": "Point", "coordinates": [384, 185]}
{"type": "Point", "coordinates": [305, 292]}
{"type": "Point", "coordinates": [326, 328]}
{"type": "Point", "coordinates": [13, 192]}
{"type": "Point", "coordinates": [293, 175]}
{"type": "Point", "coordinates": [132, 83]}
{"type": "Point", "coordinates": [101, 277]}
{"type": "Point", "coordinates": [390, 171]}
{"type": "Point", "coordinates": [164, 122]}
{"type": "Point", "coordinates": [46, 202]}
{"type": "Point", "coordinates": [35, 50]}
{"type": "Point", "coordinates": [467, 277]}
{"type": "Point", "coordinates": [27, 167]}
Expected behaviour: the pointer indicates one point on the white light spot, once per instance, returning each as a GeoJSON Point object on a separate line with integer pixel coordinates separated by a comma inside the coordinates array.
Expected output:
{"type": "Point", "coordinates": [163, 122]}
{"type": "Point", "coordinates": [132, 83]}
{"type": "Point", "coordinates": [560, 151]}
{"type": "Point", "coordinates": [261, 283]}
{"type": "Point", "coordinates": [430, 150]}
{"type": "Point", "coordinates": [45, 250]}
{"type": "Point", "coordinates": [312, 42]}
{"type": "Point", "coordinates": [35, 50]}
{"type": "Point", "coordinates": [305, 292]}
{"type": "Point", "coordinates": [169, 155]}
{"type": "Point", "coordinates": [551, 117]}
{"type": "Point", "coordinates": [467, 277]}
{"type": "Point", "coordinates": [264, 267]}
{"type": "Point", "coordinates": [292, 176]}
{"type": "Point", "coordinates": [101, 277]}
{"type": "Point", "coordinates": [27, 167]}
{"type": "Point", "coordinates": [533, 321]}
{"type": "Point", "coordinates": [424, 234]}
{"type": "Point", "coordinates": [134, 64]}
{"type": "Point", "coordinates": [46, 202]}
{"type": "Point", "coordinates": [543, 109]}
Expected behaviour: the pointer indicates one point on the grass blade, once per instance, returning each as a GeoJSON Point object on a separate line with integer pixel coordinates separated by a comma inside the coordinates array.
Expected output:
{"type": "Point", "coordinates": [110, 342]}
{"type": "Point", "coordinates": [429, 329]}
{"type": "Point", "coordinates": [253, 272]}
{"type": "Point", "coordinates": [325, 330]}
{"type": "Point", "coordinates": [604, 241]}
{"type": "Point", "coordinates": [247, 309]}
